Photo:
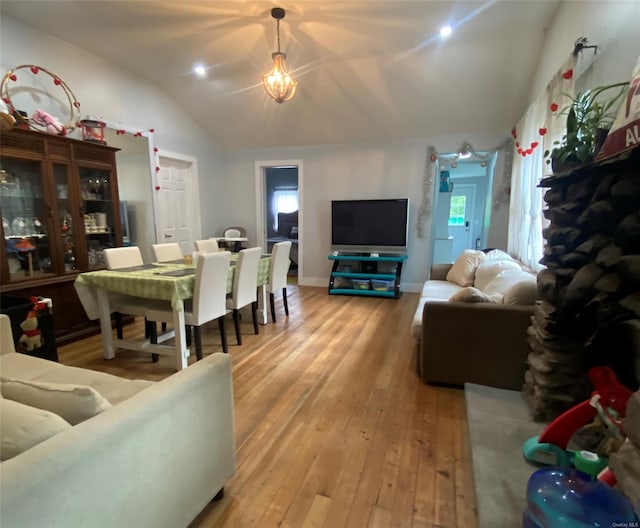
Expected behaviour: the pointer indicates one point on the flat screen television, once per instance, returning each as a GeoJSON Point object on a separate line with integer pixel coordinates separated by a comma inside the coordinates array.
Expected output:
{"type": "Point", "coordinates": [370, 225]}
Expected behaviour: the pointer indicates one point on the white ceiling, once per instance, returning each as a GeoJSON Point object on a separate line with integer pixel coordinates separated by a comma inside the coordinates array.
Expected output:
{"type": "Point", "coordinates": [366, 70]}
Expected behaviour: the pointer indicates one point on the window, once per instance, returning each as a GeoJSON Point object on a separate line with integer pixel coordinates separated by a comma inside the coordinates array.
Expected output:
{"type": "Point", "coordinates": [283, 201]}
{"type": "Point", "coordinates": [457, 210]}
{"type": "Point", "coordinates": [526, 219]}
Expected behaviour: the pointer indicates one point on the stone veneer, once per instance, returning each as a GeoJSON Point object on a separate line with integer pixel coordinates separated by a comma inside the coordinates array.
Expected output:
{"type": "Point", "coordinates": [589, 312]}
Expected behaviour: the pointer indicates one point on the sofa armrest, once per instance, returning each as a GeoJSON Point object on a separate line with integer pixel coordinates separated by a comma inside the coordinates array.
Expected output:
{"type": "Point", "coordinates": [6, 336]}
{"type": "Point", "coordinates": [439, 271]}
{"type": "Point", "coordinates": [475, 343]}
{"type": "Point", "coordinates": [171, 447]}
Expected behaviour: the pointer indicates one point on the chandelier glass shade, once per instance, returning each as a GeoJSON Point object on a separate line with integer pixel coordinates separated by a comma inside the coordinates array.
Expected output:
{"type": "Point", "coordinates": [279, 83]}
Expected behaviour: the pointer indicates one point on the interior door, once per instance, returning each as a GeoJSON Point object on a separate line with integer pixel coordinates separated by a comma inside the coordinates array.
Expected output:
{"type": "Point", "coordinates": [461, 218]}
{"type": "Point", "coordinates": [174, 203]}
{"type": "Point", "coordinates": [262, 206]}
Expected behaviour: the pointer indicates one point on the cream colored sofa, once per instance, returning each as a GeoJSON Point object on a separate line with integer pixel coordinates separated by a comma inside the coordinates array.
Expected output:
{"type": "Point", "coordinates": [460, 341]}
{"type": "Point", "coordinates": [154, 458]}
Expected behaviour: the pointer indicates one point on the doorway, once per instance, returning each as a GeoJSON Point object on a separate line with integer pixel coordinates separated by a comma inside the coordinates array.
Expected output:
{"type": "Point", "coordinates": [176, 190]}
{"type": "Point", "coordinates": [462, 211]}
{"type": "Point", "coordinates": [462, 219]}
{"type": "Point", "coordinates": [279, 211]}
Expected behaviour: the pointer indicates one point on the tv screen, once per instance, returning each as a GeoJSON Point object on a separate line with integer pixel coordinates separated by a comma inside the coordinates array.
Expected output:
{"type": "Point", "coordinates": [369, 224]}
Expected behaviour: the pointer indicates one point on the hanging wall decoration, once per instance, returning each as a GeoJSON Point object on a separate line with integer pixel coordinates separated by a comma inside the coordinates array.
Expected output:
{"type": "Point", "coordinates": [502, 181]}
{"type": "Point", "coordinates": [465, 152]}
{"type": "Point", "coordinates": [427, 190]}
{"type": "Point", "coordinates": [27, 79]}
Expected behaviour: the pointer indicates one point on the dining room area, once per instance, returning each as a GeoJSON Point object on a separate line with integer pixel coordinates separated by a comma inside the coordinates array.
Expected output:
{"type": "Point", "coordinates": [178, 293]}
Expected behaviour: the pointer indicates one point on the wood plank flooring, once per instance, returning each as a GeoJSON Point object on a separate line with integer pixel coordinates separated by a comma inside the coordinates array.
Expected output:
{"type": "Point", "coordinates": [333, 426]}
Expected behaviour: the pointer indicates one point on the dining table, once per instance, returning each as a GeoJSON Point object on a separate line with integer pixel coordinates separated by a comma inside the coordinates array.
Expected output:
{"type": "Point", "coordinates": [100, 291]}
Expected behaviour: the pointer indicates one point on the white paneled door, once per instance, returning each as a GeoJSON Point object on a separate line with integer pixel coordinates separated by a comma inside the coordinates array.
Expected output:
{"type": "Point", "coordinates": [462, 218]}
{"type": "Point", "coordinates": [177, 205]}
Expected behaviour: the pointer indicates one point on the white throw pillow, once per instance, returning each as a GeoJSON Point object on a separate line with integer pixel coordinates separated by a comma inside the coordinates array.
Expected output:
{"type": "Point", "coordinates": [504, 280]}
{"type": "Point", "coordinates": [470, 295]}
{"type": "Point", "coordinates": [489, 269]}
{"type": "Point", "coordinates": [23, 427]}
{"type": "Point", "coordinates": [74, 403]}
{"type": "Point", "coordinates": [498, 254]}
{"type": "Point", "coordinates": [464, 268]}
{"type": "Point", "coordinates": [524, 292]}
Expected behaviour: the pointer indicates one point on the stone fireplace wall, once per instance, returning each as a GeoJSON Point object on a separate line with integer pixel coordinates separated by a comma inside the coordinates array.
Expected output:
{"type": "Point", "coordinates": [589, 312]}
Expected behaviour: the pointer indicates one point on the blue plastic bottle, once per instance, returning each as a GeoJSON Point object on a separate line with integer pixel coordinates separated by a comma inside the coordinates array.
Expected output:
{"type": "Point", "coordinates": [560, 497]}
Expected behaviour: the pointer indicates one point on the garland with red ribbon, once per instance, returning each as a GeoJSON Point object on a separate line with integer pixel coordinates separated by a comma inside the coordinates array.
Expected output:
{"type": "Point", "coordinates": [525, 151]}
{"type": "Point", "coordinates": [11, 78]}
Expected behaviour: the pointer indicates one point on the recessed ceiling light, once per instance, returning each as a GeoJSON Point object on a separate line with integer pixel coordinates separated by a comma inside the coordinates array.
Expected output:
{"type": "Point", "coordinates": [200, 70]}
{"type": "Point", "coordinates": [445, 31]}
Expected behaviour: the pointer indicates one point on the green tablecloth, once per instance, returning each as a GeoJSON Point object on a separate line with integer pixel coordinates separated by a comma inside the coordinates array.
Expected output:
{"type": "Point", "coordinates": [148, 284]}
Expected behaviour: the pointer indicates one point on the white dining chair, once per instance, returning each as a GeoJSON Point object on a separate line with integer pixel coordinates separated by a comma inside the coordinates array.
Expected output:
{"type": "Point", "coordinates": [166, 252]}
{"type": "Point", "coordinates": [278, 275]}
{"type": "Point", "coordinates": [208, 302]}
{"type": "Point", "coordinates": [209, 245]}
{"type": "Point", "coordinates": [123, 257]}
{"type": "Point", "coordinates": [245, 288]}
{"type": "Point", "coordinates": [118, 258]}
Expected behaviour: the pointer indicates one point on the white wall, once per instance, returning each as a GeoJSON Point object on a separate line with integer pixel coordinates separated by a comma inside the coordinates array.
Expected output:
{"type": "Point", "coordinates": [118, 95]}
{"type": "Point", "coordinates": [611, 25]}
{"type": "Point", "coordinates": [368, 170]}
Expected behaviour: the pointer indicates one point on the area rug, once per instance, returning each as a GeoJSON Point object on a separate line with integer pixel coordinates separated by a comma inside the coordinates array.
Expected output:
{"type": "Point", "coordinates": [499, 423]}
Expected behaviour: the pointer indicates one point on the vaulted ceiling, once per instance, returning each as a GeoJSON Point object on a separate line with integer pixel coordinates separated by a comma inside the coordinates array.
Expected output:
{"type": "Point", "coordinates": [367, 70]}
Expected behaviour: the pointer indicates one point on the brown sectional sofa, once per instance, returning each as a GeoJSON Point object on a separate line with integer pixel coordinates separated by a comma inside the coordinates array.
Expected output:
{"type": "Point", "coordinates": [468, 342]}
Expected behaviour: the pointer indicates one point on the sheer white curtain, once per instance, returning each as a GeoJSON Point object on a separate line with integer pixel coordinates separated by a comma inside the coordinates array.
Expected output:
{"type": "Point", "coordinates": [525, 209]}
{"type": "Point", "coordinates": [283, 201]}
{"type": "Point", "coordinates": [535, 133]}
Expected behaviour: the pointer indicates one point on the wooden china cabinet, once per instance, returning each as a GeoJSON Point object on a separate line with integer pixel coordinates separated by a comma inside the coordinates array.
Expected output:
{"type": "Point", "coordinates": [60, 210]}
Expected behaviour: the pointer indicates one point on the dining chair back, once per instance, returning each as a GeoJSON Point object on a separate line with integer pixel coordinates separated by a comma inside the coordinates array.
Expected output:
{"type": "Point", "coordinates": [209, 298]}
{"type": "Point", "coordinates": [278, 275]}
{"type": "Point", "coordinates": [209, 245]}
{"type": "Point", "coordinates": [245, 287]}
{"type": "Point", "coordinates": [196, 255]}
{"type": "Point", "coordinates": [166, 252]}
{"type": "Point", "coordinates": [210, 290]}
{"type": "Point", "coordinates": [118, 258]}
{"type": "Point", "coordinates": [122, 257]}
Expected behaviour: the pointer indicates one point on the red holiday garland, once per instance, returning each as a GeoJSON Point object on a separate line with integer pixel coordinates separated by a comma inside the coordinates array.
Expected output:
{"type": "Point", "coordinates": [74, 104]}
{"type": "Point", "coordinates": [524, 152]}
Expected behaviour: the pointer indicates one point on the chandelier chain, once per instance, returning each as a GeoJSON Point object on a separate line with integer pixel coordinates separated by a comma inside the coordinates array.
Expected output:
{"type": "Point", "coordinates": [278, 33]}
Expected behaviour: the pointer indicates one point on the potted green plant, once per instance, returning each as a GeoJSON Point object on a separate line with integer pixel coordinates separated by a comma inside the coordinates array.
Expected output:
{"type": "Point", "coordinates": [589, 119]}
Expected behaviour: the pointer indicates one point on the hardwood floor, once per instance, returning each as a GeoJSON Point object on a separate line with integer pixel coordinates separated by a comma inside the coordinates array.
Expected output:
{"type": "Point", "coordinates": [333, 426]}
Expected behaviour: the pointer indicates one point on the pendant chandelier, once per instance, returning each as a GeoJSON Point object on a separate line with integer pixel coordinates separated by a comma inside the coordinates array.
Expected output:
{"type": "Point", "coordinates": [280, 85]}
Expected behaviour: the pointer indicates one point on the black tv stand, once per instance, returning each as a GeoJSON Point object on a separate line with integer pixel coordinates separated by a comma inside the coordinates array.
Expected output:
{"type": "Point", "coordinates": [362, 274]}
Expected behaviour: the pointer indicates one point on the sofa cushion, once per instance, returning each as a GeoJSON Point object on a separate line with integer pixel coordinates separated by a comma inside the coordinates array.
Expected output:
{"type": "Point", "coordinates": [23, 426]}
{"type": "Point", "coordinates": [470, 295]}
{"type": "Point", "coordinates": [113, 388]}
{"type": "Point", "coordinates": [432, 291]}
{"type": "Point", "coordinates": [437, 290]}
{"type": "Point", "coordinates": [22, 366]}
{"type": "Point", "coordinates": [464, 268]}
{"type": "Point", "coordinates": [504, 280]}
{"type": "Point", "coordinates": [490, 268]}
{"type": "Point", "coordinates": [74, 403]}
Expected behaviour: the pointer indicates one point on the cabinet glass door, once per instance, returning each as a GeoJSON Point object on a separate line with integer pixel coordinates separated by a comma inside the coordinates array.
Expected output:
{"type": "Point", "coordinates": [25, 220]}
{"type": "Point", "coordinates": [65, 223]}
{"type": "Point", "coordinates": [97, 199]}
